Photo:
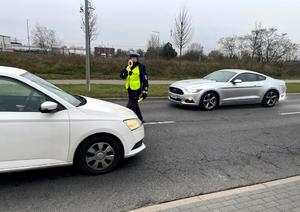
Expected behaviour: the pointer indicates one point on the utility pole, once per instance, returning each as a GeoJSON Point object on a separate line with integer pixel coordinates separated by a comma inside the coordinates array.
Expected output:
{"type": "Point", "coordinates": [28, 38]}
{"type": "Point", "coordinates": [87, 48]}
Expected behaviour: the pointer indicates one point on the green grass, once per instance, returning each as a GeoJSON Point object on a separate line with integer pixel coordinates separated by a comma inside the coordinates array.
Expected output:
{"type": "Point", "coordinates": [13, 89]}
{"type": "Point", "coordinates": [114, 91]}
{"type": "Point", "coordinates": [293, 87]}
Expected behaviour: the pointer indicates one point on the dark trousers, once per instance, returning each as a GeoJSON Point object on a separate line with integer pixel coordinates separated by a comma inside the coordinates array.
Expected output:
{"type": "Point", "coordinates": [133, 97]}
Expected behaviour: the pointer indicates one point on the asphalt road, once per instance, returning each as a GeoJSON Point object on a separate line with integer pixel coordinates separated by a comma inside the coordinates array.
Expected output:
{"type": "Point", "coordinates": [199, 152]}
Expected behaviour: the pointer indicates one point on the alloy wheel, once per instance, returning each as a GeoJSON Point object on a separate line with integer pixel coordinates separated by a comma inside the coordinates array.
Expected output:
{"type": "Point", "coordinates": [210, 101]}
{"type": "Point", "coordinates": [100, 156]}
{"type": "Point", "coordinates": [271, 98]}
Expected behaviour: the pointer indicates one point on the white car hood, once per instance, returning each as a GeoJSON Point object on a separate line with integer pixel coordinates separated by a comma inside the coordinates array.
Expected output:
{"type": "Point", "coordinates": [192, 82]}
{"type": "Point", "coordinates": [106, 109]}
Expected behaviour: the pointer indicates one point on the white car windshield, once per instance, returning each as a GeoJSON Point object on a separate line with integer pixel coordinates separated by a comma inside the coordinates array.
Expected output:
{"type": "Point", "coordinates": [220, 76]}
{"type": "Point", "coordinates": [52, 88]}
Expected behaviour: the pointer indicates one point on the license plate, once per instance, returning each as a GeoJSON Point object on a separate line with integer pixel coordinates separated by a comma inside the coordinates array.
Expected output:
{"type": "Point", "coordinates": [174, 96]}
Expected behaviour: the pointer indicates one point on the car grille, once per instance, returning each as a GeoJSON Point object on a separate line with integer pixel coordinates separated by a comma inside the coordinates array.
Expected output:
{"type": "Point", "coordinates": [175, 99]}
{"type": "Point", "coordinates": [176, 90]}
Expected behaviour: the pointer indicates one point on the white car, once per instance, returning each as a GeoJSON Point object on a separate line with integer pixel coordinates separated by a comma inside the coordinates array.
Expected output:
{"type": "Point", "coordinates": [43, 126]}
{"type": "Point", "coordinates": [228, 87]}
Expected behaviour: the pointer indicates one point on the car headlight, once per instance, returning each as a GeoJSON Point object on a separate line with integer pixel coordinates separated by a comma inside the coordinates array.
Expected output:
{"type": "Point", "coordinates": [133, 124]}
{"type": "Point", "coordinates": [193, 90]}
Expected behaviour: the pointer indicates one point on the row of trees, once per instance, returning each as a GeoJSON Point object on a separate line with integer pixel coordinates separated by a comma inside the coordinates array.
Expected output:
{"type": "Point", "coordinates": [261, 44]}
{"type": "Point", "coordinates": [264, 45]}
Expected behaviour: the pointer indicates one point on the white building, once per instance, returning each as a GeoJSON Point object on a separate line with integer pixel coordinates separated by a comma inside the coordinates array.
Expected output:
{"type": "Point", "coordinates": [5, 44]}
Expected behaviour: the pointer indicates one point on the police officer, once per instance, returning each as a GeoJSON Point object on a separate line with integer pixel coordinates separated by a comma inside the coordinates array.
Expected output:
{"type": "Point", "coordinates": [136, 82]}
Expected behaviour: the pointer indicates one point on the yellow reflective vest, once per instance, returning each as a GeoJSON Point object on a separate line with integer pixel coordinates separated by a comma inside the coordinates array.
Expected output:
{"type": "Point", "coordinates": [133, 82]}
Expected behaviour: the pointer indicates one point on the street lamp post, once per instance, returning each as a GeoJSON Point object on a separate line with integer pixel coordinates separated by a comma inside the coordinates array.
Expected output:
{"type": "Point", "coordinates": [87, 48]}
{"type": "Point", "coordinates": [28, 38]}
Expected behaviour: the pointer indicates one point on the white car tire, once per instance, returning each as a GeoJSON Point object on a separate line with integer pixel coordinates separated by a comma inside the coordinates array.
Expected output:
{"type": "Point", "coordinates": [98, 155]}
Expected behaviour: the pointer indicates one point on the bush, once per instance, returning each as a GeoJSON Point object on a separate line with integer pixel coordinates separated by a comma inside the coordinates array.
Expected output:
{"type": "Point", "coordinates": [73, 67]}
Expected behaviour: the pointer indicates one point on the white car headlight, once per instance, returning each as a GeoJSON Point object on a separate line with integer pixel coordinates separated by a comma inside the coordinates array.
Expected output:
{"type": "Point", "coordinates": [193, 90]}
{"type": "Point", "coordinates": [133, 124]}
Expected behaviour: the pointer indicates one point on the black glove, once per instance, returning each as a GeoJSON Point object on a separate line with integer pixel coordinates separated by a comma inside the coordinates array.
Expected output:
{"type": "Point", "coordinates": [144, 94]}
{"type": "Point", "coordinates": [123, 74]}
{"type": "Point", "coordinates": [130, 72]}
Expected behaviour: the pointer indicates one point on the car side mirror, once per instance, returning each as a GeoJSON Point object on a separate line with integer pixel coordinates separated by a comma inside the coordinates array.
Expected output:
{"type": "Point", "coordinates": [48, 107]}
{"type": "Point", "coordinates": [236, 81]}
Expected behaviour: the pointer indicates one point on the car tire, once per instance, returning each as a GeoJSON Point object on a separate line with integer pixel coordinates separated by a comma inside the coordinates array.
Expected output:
{"type": "Point", "coordinates": [270, 98]}
{"type": "Point", "coordinates": [209, 101]}
{"type": "Point", "coordinates": [98, 155]}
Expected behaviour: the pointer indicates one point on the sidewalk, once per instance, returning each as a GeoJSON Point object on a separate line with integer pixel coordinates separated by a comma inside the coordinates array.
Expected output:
{"type": "Point", "coordinates": [274, 196]}
{"type": "Point", "coordinates": [121, 82]}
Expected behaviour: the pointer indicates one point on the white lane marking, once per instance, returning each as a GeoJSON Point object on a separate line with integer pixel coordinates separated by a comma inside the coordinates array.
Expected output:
{"type": "Point", "coordinates": [290, 113]}
{"type": "Point", "coordinates": [159, 122]}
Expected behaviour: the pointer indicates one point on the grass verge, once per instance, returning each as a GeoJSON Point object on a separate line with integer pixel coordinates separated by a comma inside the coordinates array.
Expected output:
{"type": "Point", "coordinates": [293, 87]}
{"type": "Point", "coordinates": [115, 91]}
{"type": "Point", "coordinates": [112, 91]}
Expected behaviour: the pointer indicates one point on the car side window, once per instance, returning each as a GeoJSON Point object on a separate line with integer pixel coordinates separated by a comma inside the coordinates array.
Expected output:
{"type": "Point", "coordinates": [261, 78]}
{"type": "Point", "coordinates": [18, 97]}
{"type": "Point", "coordinates": [247, 77]}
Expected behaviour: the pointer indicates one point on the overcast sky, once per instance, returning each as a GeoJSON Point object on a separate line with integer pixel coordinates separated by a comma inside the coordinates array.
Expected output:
{"type": "Point", "coordinates": [128, 24]}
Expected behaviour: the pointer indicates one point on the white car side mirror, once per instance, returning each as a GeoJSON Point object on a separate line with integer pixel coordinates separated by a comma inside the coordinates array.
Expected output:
{"type": "Point", "coordinates": [48, 107]}
{"type": "Point", "coordinates": [237, 81]}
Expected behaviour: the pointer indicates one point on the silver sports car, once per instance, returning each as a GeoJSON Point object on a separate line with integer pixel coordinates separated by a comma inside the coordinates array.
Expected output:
{"type": "Point", "coordinates": [228, 87]}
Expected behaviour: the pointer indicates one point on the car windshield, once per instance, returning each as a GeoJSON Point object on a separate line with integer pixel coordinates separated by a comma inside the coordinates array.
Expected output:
{"type": "Point", "coordinates": [220, 76]}
{"type": "Point", "coordinates": [52, 88]}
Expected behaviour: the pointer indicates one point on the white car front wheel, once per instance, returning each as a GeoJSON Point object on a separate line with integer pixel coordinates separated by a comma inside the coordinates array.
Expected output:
{"type": "Point", "coordinates": [98, 155]}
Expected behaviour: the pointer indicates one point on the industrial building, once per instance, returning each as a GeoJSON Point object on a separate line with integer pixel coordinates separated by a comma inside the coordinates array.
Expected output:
{"type": "Point", "coordinates": [104, 52]}
{"type": "Point", "coordinates": [5, 43]}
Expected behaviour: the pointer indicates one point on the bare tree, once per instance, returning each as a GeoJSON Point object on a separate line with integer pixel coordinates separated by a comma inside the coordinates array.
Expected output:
{"type": "Point", "coordinates": [182, 33]}
{"type": "Point", "coordinates": [153, 41]}
{"type": "Point", "coordinates": [229, 45]}
{"type": "Point", "coordinates": [262, 44]}
{"type": "Point", "coordinates": [274, 47]}
{"type": "Point", "coordinates": [194, 52]}
{"type": "Point", "coordinates": [153, 46]}
{"type": "Point", "coordinates": [92, 17]}
{"type": "Point", "coordinates": [44, 38]}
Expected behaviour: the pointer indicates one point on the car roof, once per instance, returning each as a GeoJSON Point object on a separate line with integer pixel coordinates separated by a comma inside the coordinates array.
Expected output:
{"type": "Point", "coordinates": [240, 71]}
{"type": "Point", "coordinates": [11, 70]}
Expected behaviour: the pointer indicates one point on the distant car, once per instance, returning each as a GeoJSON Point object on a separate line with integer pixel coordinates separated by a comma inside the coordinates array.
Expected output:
{"type": "Point", "coordinates": [42, 126]}
{"type": "Point", "coordinates": [228, 87]}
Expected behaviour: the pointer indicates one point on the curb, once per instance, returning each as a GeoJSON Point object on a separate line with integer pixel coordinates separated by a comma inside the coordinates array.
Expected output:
{"type": "Point", "coordinates": [210, 196]}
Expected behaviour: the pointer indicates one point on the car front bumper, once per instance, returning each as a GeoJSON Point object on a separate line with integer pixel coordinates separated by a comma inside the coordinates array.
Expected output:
{"type": "Point", "coordinates": [135, 145]}
{"type": "Point", "coordinates": [136, 151]}
{"type": "Point", "coordinates": [184, 99]}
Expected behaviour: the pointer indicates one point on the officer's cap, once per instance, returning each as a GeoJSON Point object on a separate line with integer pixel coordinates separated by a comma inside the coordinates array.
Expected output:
{"type": "Point", "coordinates": [133, 54]}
